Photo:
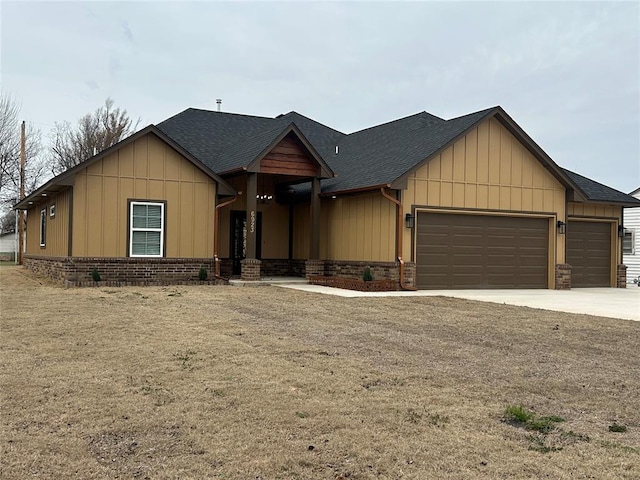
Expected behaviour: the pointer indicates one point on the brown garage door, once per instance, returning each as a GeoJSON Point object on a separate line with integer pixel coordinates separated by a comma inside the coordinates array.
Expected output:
{"type": "Point", "coordinates": [481, 251]}
{"type": "Point", "coordinates": [589, 253]}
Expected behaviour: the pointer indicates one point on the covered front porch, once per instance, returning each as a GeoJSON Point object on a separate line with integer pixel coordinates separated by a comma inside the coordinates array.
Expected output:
{"type": "Point", "coordinates": [265, 230]}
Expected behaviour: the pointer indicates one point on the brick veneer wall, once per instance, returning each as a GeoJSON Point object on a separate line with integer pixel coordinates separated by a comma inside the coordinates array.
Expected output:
{"type": "Point", "coordinates": [379, 270]}
{"type": "Point", "coordinates": [563, 276]}
{"type": "Point", "coordinates": [275, 267]}
{"type": "Point", "coordinates": [621, 276]}
{"type": "Point", "coordinates": [76, 271]}
{"type": "Point", "coordinates": [250, 269]}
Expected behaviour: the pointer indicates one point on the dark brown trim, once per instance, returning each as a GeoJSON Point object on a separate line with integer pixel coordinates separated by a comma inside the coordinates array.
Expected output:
{"type": "Point", "coordinates": [251, 208]}
{"type": "Point", "coordinates": [356, 190]}
{"type": "Point", "coordinates": [610, 203]}
{"type": "Point", "coordinates": [413, 233]}
{"type": "Point", "coordinates": [70, 228]}
{"type": "Point", "coordinates": [164, 226]}
{"type": "Point", "coordinates": [591, 217]}
{"type": "Point", "coordinates": [42, 240]}
{"type": "Point", "coordinates": [464, 210]}
{"type": "Point", "coordinates": [291, 217]}
{"type": "Point", "coordinates": [535, 149]}
{"type": "Point", "coordinates": [234, 171]}
{"type": "Point", "coordinates": [314, 246]}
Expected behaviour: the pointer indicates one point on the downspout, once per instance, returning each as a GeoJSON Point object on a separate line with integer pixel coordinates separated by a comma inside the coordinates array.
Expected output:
{"type": "Point", "coordinates": [398, 238]}
{"type": "Point", "coordinates": [216, 224]}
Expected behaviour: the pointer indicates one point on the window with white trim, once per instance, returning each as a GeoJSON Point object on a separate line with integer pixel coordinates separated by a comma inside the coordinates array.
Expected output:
{"type": "Point", "coordinates": [52, 210]}
{"type": "Point", "coordinates": [146, 235]}
{"type": "Point", "coordinates": [628, 242]}
{"type": "Point", "coordinates": [43, 227]}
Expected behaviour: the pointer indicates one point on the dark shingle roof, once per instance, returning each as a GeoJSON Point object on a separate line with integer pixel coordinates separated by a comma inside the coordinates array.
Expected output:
{"type": "Point", "coordinates": [381, 154]}
{"type": "Point", "coordinates": [227, 141]}
{"type": "Point", "coordinates": [598, 192]}
{"type": "Point", "coordinates": [374, 156]}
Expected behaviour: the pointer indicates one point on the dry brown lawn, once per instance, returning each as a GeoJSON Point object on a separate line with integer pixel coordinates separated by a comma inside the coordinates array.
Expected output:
{"type": "Point", "coordinates": [271, 383]}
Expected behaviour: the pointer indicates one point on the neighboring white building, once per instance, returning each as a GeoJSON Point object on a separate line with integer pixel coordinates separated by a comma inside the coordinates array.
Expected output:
{"type": "Point", "coordinates": [8, 244]}
{"type": "Point", "coordinates": [631, 241]}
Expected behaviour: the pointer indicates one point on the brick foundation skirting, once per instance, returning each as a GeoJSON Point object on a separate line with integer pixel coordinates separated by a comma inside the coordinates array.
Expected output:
{"type": "Point", "coordinates": [563, 276]}
{"type": "Point", "coordinates": [355, 284]}
{"type": "Point", "coordinates": [621, 276]}
{"type": "Point", "coordinates": [77, 271]}
{"type": "Point", "coordinates": [379, 271]}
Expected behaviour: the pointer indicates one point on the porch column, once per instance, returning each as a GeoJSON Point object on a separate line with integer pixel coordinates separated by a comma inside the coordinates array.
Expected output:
{"type": "Point", "coordinates": [250, 270]}
{"type": "Point", "coordinates": [252, 214]}
{"type": "Point", "coordinates": [314, 248]}
{"type": "Point", "coordinates": [314, 266]}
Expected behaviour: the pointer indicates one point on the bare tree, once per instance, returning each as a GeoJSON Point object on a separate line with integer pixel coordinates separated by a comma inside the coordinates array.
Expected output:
{"type": "Point", "coordinates": [95, 132]}
{"type": "Point", "coordinates": [35, 166]}
{"type": "Point", "coordinates": [8, 222]}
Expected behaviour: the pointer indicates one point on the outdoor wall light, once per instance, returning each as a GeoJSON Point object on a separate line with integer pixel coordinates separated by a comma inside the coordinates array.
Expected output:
{"type": "Point", "coordinates": [621, 231]}
{"type": "Point", "coordinates": [562, 227]}
{"type": "Point", "coordinates": [409, 220]}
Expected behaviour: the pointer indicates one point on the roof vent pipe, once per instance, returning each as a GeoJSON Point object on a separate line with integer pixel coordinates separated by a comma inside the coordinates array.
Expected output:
{"type": "Point", "coordinates": [219, 102]}
{"type": "Point", "coordinates": [336, 149]}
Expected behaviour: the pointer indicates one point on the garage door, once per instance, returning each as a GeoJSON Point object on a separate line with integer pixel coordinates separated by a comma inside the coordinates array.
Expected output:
{"type": "Point", "coordinates": [589, 253]}
{"type": "Point", "coordinates": [480, 251]}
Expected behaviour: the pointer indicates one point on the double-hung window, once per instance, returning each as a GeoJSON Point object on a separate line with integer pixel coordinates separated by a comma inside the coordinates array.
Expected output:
{"type": "Point", "coordinates": [146, 237]}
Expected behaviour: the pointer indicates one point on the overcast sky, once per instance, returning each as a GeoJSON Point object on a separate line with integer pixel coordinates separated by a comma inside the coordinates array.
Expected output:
{"type": "Point", "coordinates": [568, 73]}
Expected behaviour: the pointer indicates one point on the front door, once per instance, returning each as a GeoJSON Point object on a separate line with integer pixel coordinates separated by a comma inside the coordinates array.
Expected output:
{"type": "Point", "coordinates": [239, 238]}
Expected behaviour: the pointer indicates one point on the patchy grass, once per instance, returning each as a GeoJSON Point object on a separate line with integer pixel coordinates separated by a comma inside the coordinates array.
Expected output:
{"type": "Point", "coordinates": [226, 382]}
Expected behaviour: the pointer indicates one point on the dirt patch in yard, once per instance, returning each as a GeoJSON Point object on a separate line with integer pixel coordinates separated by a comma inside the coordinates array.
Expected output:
{"type": "Point", "coordinates": [270, 383]}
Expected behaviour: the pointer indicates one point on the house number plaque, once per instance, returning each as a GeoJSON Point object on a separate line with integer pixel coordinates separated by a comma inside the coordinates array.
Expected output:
{"type": "Point", "coordinates": [252, 222]}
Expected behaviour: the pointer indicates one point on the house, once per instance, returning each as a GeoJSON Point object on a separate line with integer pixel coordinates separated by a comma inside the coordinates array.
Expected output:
{"type": "Point", "coordinates": [469, 202]}
{"type": "Point", "coordinates": [8, 243]}
{"type": "Point", "coordinates": [631, 241]}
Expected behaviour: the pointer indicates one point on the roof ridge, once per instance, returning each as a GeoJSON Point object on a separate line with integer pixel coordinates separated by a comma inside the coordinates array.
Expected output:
{"type": "Point", "coordinates": [311, 119]}
{"type": "Point", "coordinates": [486, 110]}
{"type": "Point", "coordinates": [225, 113]}
{"type": "Point", "coordinates": [386, 123]}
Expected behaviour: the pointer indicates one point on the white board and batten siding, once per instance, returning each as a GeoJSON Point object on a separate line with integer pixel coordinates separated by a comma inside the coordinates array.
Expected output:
{"type": "Point", "coordinates": [632, 222]}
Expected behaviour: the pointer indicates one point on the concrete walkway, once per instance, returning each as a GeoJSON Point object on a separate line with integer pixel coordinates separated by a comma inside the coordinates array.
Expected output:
{"type": "Point", "coordinates": [603, 302]}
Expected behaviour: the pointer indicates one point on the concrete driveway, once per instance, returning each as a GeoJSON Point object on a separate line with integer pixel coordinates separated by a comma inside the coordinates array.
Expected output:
{"type": "Point", "coordinates": [602, 302]}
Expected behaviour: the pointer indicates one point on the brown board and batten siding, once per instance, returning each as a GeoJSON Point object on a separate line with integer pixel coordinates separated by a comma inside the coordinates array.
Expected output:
{"type": "Point", "coordinates": [56, 227]}
{"type": "Point", "coordinates": [289, 157]}
{"type": "Point", "coordinates": [487, 172]}
{"type": "Point", "coordinates": [146, 169]}
{"type": "Point", "coordinates": [359, 227]}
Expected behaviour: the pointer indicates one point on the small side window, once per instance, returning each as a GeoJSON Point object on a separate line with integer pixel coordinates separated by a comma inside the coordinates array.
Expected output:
{"type": "Point", "coordinates": [52, 210]}
{"type": "Point", "coordinates": [43, 227]}
{"type": "Point", "coordinates": [628, 242]}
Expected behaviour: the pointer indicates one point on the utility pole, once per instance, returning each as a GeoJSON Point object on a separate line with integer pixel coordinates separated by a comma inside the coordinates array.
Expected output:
{"type": "Point", "coordinates": [23, 160]}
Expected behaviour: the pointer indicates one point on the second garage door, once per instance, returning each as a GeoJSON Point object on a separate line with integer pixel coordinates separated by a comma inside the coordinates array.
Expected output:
{"type": "Point", "coordinates": [589, 253]}
{"type": "Point", "coordinates": [481, 251]}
